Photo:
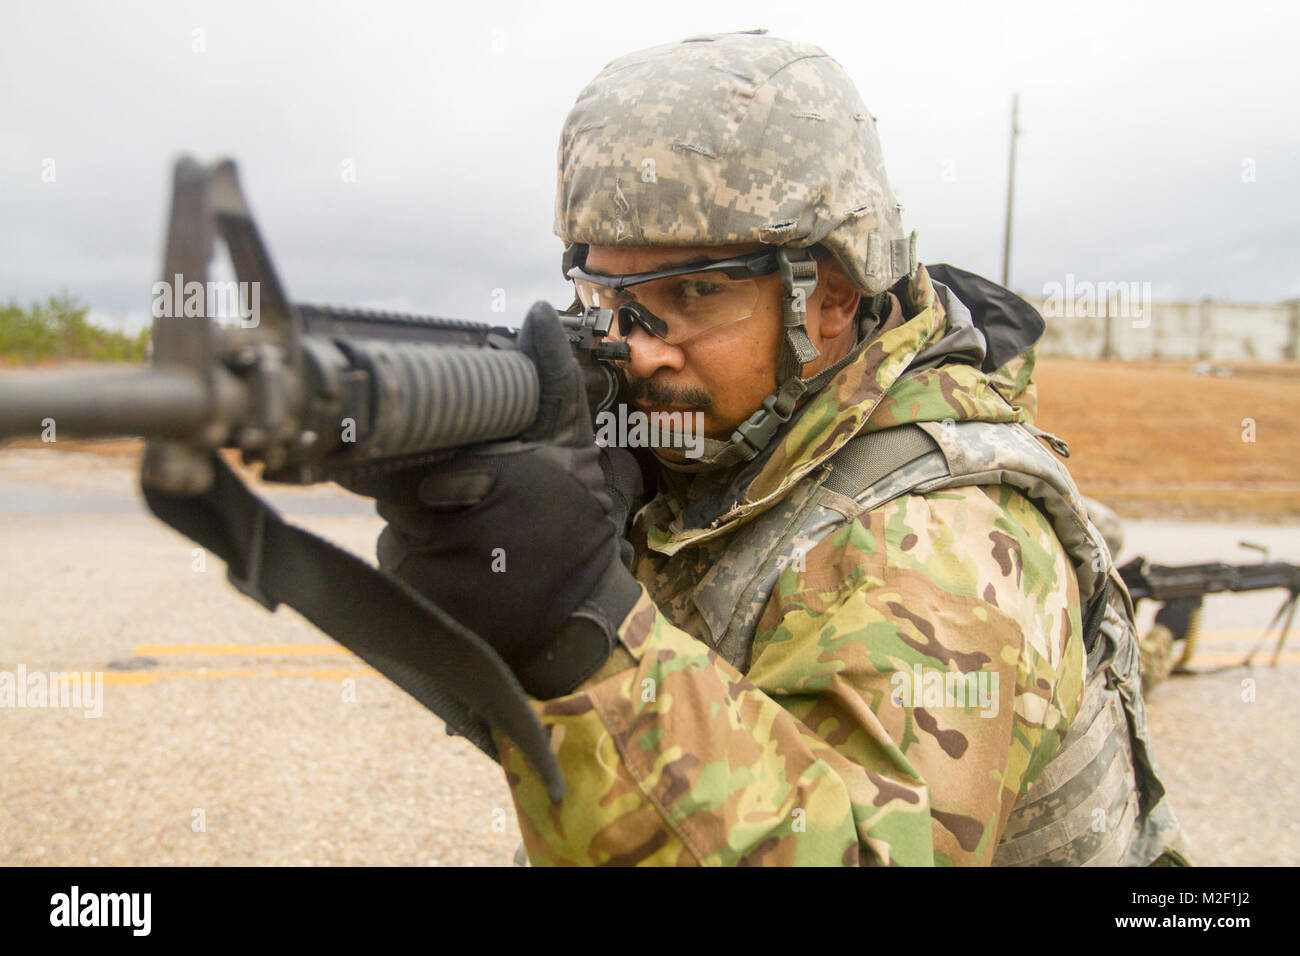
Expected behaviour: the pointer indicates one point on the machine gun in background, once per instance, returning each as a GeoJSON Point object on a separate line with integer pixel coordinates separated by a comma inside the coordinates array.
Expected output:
{"type": "Point", "coordinates": [313, 394]}
{"type": "Point", "coordinates": [1180, 589]}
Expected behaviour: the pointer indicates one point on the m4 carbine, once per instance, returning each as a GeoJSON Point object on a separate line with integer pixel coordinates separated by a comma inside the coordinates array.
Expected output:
{"type": "Point", "coordinates": [314, 394]}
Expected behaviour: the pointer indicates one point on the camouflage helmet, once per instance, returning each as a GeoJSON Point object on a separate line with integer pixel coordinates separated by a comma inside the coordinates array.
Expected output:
{"type": "Point", "coordinates": [735, 138]}
{"type": "Point", "coordinates": [730, 138]}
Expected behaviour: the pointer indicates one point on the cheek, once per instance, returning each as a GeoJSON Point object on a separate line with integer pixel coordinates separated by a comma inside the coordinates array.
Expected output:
{"type": "Point", "coordinates": [739, 362]}
{"type": "Point", "coordinates": [765, 350]}
{"type": "Point", "coordinates": [738, 370]}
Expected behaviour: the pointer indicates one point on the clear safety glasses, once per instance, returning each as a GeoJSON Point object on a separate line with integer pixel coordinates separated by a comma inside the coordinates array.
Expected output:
{"type": "Point", "coordinates": [680, 303]}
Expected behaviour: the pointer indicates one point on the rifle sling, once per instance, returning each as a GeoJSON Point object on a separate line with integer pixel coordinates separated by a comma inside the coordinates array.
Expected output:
{"type": "Point", "coordinates": [393, 628]}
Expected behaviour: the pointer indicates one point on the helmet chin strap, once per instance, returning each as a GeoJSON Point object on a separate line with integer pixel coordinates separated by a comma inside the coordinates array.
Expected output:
{"type": "Point", "coordinates": [799, 279]}
{"type": "Point", "coordinates": [708, 460]}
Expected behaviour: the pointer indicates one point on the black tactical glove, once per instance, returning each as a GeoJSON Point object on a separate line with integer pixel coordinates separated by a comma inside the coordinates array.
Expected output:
{"type": "Point", "coordinates": [625, 485]}
{"type": "Point", "coordinates": [515, 539]}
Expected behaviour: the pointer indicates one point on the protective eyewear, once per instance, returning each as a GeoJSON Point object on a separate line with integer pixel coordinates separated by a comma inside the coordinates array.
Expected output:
{"type": "Point", "coordinates": [679, 303]}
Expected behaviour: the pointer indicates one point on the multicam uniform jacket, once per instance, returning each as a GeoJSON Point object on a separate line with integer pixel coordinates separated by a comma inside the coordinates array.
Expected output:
{"type": "Point", "coordinates": [807, 748]}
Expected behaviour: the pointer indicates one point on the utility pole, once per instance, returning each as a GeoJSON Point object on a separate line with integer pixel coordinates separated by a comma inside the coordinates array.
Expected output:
{"type": "Point", "coordinates": [1011, 188]}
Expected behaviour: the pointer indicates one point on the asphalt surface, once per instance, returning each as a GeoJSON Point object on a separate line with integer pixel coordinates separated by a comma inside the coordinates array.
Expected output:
{"type": "Point", "coordinates": [229, 735]}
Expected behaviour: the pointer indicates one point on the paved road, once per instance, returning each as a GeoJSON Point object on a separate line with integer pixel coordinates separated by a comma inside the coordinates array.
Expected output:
{"type": "Point", "coordinates": [233, 736]}
{"type": "Point", "coordinates": [1228, 742]}
{"type": "Point", "coordinates": [228, 735]}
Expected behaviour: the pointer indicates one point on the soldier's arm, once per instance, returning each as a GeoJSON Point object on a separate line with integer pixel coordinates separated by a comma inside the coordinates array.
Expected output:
{"type": "Point", "coordinates": [673, 757]}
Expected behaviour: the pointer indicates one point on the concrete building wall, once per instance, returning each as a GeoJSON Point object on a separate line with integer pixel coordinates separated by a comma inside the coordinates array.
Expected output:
{"type": "Point", "coordinates": [1132, 329]}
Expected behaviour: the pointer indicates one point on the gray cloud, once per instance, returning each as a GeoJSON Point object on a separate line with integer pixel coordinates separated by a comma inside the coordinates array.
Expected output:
{"type": "Point", "coordinates": [1138, 126]}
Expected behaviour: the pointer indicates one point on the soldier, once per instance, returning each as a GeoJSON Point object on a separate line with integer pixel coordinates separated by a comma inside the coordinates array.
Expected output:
{"type": "Point", "coordinates": [871, 624]}
{"type": "Point", "coordinates": [1159, 649]}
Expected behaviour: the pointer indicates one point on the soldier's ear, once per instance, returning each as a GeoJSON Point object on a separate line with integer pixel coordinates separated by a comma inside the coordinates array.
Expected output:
{"type": "Point", "coordinates": [838, 300]}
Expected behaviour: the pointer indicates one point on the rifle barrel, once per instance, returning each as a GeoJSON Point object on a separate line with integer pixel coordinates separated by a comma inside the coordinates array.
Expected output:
{"type": "Point", "coordinates": [103, 402]}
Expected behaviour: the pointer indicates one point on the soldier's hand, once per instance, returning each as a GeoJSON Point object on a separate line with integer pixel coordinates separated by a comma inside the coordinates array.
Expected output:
{"type": "Point", "coordinates": [516, 539]}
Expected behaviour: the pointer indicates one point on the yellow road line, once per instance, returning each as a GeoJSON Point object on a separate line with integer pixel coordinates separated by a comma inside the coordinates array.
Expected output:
{"type": "Point", "coordinates": [310, 650]}
{"type": "Point", "coordinates": [142, 678]}
{"type": "Point", "coordinates": [1261, 659]}
{"type": "Point", "coordinates": [238, 650]}
{"type": "Point", "coordinates": [320, 673]}
{"type": "Point", "coordinates": [1243, 636]}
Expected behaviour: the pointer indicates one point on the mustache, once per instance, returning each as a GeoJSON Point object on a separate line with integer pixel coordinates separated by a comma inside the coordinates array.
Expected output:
{"type": "Point", "coordinates": [657, 393]}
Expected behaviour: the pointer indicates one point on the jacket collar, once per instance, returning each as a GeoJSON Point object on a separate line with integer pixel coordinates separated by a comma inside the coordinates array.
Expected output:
{"type": "Point", "coordinates": [921, 361]}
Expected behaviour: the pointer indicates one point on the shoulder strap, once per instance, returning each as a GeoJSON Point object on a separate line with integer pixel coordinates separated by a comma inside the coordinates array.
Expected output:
{"type": "Point", "coordinates": [864, 460]}
{"type": "Point", "coordinates": [377, 616]}
{"type": "Point", "coordinates": [869, 471]}
{"type": "Point", "coordinates": [859, 470]}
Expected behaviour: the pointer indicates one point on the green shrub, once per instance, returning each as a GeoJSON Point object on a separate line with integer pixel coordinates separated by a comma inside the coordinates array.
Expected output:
{"type": "Point", "coordinates": [59, 331]}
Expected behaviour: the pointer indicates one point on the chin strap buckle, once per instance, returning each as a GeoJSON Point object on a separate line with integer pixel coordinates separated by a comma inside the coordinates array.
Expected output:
{"type": "Point", "coordinates": [755, 432]}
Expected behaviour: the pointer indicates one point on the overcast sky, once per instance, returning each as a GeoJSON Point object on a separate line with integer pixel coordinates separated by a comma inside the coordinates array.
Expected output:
{"type": "Point", "coordinates": [1161, 141]}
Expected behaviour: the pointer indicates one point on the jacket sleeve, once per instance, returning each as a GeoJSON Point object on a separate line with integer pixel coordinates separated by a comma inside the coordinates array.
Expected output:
{"type": "Point", "coordinates": [906, 684]}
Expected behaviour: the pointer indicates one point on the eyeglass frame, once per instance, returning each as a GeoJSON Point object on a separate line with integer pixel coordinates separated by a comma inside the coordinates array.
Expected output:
{"type": "Point", "coordinates": [749, 266]}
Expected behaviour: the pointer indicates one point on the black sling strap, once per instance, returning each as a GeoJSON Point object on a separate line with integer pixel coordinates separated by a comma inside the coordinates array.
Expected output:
{"type": "Point", "coordinates": [393, 628]}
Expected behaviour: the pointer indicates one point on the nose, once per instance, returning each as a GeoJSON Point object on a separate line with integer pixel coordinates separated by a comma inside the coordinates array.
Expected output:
{"type": "Point", "coordinates": [650, 354]}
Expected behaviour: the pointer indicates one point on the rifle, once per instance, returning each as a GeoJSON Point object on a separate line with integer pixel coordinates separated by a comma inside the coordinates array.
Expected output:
{"type": "Point", "coordinates": [1190, 582]}
{"type": "Point", "coordinates": [313, 393]}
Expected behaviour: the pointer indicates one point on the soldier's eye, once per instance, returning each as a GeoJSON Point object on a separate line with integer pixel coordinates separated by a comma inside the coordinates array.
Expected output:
{"type": "Point", "coordinates": [692, 289]}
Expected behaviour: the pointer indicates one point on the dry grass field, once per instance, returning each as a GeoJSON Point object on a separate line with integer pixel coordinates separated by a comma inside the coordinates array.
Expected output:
{"type": "Point", "coordinates": [1155, 440]}
{"type": "Point", "coordinates": [1149, 439]}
